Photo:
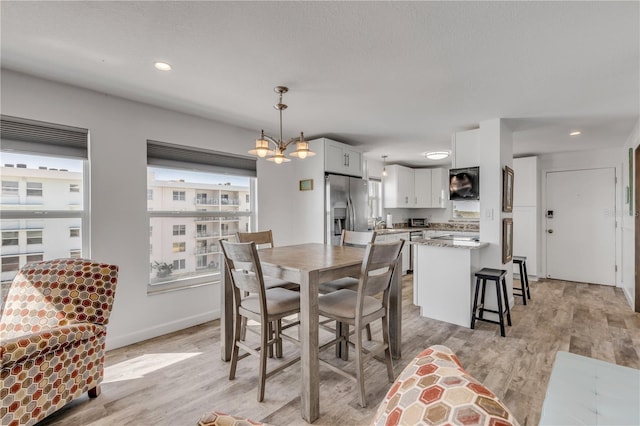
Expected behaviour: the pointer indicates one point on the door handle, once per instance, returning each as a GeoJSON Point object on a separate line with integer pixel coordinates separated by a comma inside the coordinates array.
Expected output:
{"type": "Point", "coordinates": [549, 231]}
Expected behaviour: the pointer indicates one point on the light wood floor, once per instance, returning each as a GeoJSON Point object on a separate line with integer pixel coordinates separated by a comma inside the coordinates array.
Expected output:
{"type": "Point", "coordinates": [174, 379]}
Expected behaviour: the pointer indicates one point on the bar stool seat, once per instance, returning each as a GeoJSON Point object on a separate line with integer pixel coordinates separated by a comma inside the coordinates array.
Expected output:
{"type": "Point", "coordinates": [498, 277]}
{"type": "Point", "coordinates": [523, 290]}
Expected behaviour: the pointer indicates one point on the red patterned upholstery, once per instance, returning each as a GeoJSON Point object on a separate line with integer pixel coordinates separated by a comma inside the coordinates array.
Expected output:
{"type": "Point", "coordinates": [52, 335]}
{"type": "Point", "coordinates": [218, 418]}
{"type": "Point", "coordinates": [434, 389]}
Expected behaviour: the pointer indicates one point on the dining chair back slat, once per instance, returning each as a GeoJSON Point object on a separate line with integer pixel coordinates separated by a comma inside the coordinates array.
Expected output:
{"type": "Point", "coordinates": [378, 266]}
{"type": "Point", "coordinates": [243, 266]}
{"type": "Point", "coordinates": [263, 239]}
{"type": "Point", "coordinates": [357, 238]}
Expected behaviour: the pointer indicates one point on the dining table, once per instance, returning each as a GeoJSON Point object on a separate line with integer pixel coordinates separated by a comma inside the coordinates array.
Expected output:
{"type": "Point", "coordinates": [309, 265]}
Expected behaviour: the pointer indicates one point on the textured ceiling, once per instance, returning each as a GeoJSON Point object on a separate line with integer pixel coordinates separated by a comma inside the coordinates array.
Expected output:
{"type": "Point", "coordinates": [397, 78]}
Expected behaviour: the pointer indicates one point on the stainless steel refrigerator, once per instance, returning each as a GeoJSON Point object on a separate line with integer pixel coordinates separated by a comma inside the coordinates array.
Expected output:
{"type": "Point", "coordinates": [346, 206]}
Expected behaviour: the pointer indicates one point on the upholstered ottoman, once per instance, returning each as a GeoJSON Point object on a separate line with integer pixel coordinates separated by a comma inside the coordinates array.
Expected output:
{"type": "Point", "coordinates": [587, 391]}
{"type": "Point", "coordinates": [434, 389]}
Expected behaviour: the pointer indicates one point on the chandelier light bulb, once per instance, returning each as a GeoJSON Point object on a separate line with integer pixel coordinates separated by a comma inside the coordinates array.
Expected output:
{"type": "Point", "coordinates": [302, 155]}
{"type": "Point", "coordinates": [262, 152]}
{"type": "Point", "coordinates": [278, 159]}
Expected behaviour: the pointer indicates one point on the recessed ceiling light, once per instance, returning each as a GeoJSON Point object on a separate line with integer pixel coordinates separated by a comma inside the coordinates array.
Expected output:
{"type": "Point", "coordinates": [576, 133]}
{"type": "Point", "coordinates": [436, 155]}
{"type": "Point", "coordinates": [162, 66]}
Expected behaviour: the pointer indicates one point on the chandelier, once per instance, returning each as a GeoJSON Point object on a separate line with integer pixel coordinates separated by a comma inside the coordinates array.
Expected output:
{"type": "Point", "coordinates": [276, 155]}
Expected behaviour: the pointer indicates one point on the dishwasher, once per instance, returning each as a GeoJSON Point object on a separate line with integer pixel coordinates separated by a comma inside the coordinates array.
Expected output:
{"type": "Point", "coordinates": [414, 236]}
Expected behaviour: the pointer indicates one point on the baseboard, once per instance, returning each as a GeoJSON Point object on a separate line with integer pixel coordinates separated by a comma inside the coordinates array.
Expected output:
{"type": "Point", "coordinates": [114, 342]}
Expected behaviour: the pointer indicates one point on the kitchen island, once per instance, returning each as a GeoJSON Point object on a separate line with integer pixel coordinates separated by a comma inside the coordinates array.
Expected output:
{"type": "Point", "coordinates": [443, 277]}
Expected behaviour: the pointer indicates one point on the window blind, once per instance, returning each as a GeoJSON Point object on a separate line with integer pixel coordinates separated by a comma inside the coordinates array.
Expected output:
{"type": "Point", "coordinates": [39, 137]}
{"type": "Point", "coordinates": [164, 154]}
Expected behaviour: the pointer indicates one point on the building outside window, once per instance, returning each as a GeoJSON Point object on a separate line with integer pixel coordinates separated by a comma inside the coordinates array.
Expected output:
{"type": "Point", "coordinates": [149, 194]}
{"type": "Point", "coordinates": [204, 180]}
{"type": "Point", "coordinates": [10, 188]}
{"type": "Point", "coordinates": [46, 162]}
{"type": "Point", "coordinates": [375, 199]}
{"type": "Point", "coordinates": [34, 189]}
{"type": "Point", "coordinates": [75, 254]}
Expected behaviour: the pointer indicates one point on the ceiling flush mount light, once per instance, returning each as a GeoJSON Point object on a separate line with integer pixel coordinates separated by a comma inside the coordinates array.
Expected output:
{"type": "Point", "coordinates": [276, 154]}
{"type": "Point", "coordinates": [162, 66]}
{"type": "Point", "coordinates": [436, 155]}
{"type": "Point", "coordinates": [384, 165]}
{"type": "Point", "coordinates": [576, 133]}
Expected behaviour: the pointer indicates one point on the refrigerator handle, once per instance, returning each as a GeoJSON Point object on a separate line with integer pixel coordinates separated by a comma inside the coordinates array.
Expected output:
{"type": "Point", "coordinates": [353, 215]}
{"type": "Point", "coordinates": [347, 222]}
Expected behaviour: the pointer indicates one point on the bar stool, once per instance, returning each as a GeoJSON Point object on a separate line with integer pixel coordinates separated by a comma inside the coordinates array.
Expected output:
{"type": "Point", "coordinates": [524, 279]}
{"type": "Point", "coordinates": [497, 276]}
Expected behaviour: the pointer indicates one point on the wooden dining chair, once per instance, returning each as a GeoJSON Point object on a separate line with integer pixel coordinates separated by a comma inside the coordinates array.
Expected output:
{"type": "Point", "coordinates": [354, 239]}
{"type": "Point", "coordinates": [266, 306]}
{"type": "Point", "coordinates": [360, 308]}
{"type": "Point", "coordinates": [264, 239]}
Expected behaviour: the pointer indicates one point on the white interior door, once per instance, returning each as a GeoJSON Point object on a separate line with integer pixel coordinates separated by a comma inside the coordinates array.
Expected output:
{"type": "Point", "coordinates": [580, 225]}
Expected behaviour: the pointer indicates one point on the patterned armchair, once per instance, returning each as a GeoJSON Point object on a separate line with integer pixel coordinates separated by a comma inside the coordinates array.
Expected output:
{"type": "Point", "coordinates": [52, 336]}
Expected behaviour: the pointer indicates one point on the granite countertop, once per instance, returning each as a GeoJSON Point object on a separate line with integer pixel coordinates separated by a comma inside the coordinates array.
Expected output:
{"type": "Point", "coordinates": [398, 230]}
{"type": "Point", "coordinates": [469, 245]}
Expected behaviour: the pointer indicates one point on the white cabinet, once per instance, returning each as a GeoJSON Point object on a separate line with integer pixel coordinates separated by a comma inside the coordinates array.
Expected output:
{"type": "Point", "coordinates": [439, 188]}
{"type": "Point", "coordinates": [342, 158]}
{"type": "Point", "coordinates": [389, 238]}
{"type": "Point", "coordinates": [399, 187]}
{"type": "Point", "coordinates": [422, 186]}
{"type": "Point", "coordinates": [415, 188]}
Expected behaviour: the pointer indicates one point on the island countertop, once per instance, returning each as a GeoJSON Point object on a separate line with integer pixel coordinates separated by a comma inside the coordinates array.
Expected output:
{"type": "Point", "coordinates": [462, 244]}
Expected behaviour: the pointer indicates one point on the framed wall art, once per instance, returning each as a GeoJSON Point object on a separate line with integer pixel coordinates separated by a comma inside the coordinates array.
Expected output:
{"type": "Point", "coordinates": [507, 189]}
{"type": "Point", "coordinates": [507, 240]}
{"type": "Point", "coordinates": [306, 185]}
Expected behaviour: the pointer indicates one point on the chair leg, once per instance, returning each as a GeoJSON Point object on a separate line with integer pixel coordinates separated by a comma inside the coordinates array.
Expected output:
{"type": "Point", "coordinates": [270, 334]}
{"type": "Point", "coordinates": [475, 304]}
{"type": "Point", "coordinates": [265, 335]}
{"type": "Point", "coordinates": [526, 276]}
{"type": "Point", "coordinates": [237, 330]}
{"type": "Point", "coordinates": [523, 286]}
{"type": "Point", "coordinates": [369, 337]}
{"type": "Point", "coordinates": [506, 299]}
{"type": "Point", "coordinates": [278, 338]}
{"type": "Point", "coordinates": [94, 392]}
{"type": "Point", "coordinates": [243, 330]}
{"type": "Point", "coordinates": [359, 366]}
{"type": "Point", "coordinates": [387, 350]}
{"type": "Point", "coordinates": [484, 288]}
{"type": "Point", "coordinates": [500, 308]}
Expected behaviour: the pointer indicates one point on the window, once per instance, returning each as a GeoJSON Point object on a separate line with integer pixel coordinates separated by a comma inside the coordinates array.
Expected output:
{"type": "Point", "coordinates": [34, 189]}
{"type": "Point", "coordinates": [32, 258]}
{"type": "Point", "coordinates": [10, 188]}
{"type": "Point", "coordinates": [51, 157]}
{"type": "Point", "coordinates": [375, 199]}
{"type": "Point", "coordinates": [247, 198]}
{"type": "Point", "coordinates": [149, 194]}
{"type": "Point", "coordinates": [10, 264]}
{"type": "Point", "coordinates": [34, 237]}
{"type": "Point", "coordinates": [198, 223]}
{"type": "Point", "coordinates": [10, 238]}
{"type": "Point", "coordinates": [75, 254]}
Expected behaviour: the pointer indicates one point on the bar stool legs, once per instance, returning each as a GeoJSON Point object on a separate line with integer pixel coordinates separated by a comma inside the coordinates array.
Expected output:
{"type": "Point", "coordinates": [498, 277]}
{"type": "Point", "coordinates": [524, 291]}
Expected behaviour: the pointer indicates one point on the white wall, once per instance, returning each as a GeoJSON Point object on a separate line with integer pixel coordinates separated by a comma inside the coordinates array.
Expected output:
{"type": "Point", "coordinates": [627, 279]}
{"type": "Point", "coordinates": [118, 130]}
{"type": "Point", "coordinates": [578, 160]}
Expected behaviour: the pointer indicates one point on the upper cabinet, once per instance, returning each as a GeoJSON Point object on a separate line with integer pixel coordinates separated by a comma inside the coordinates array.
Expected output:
{"type": "Point", "coordinates": [414, 188]}
{"type": "Point", "coordinates": [399, 187]}
{"type": "Point", "coordinates": [342, 158]}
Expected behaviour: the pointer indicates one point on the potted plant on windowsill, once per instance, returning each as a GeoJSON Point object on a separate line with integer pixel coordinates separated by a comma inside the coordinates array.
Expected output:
{"type": "Point", "coordinates": [164, 269]}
